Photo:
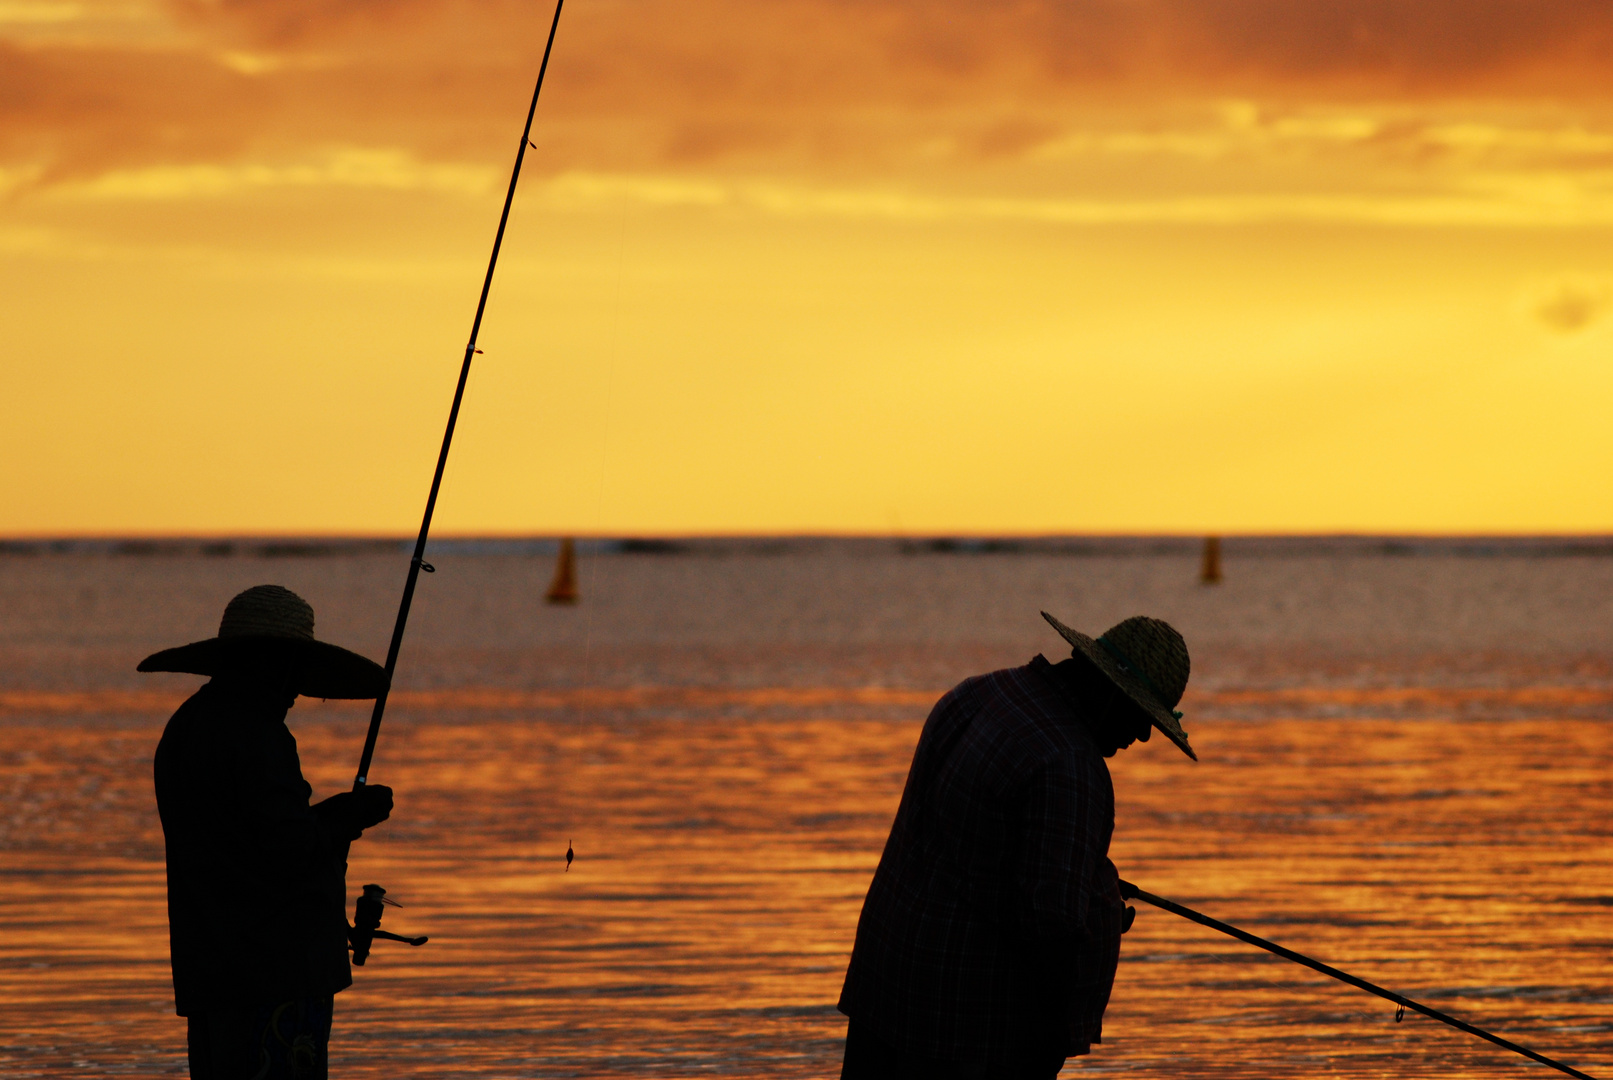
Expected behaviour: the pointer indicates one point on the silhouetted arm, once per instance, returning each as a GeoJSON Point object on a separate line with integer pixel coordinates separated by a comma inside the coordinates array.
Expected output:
{"type": "Point", "coordinates": [305, 855]}
{"type": "Point", "coordinates": [1070, 896]}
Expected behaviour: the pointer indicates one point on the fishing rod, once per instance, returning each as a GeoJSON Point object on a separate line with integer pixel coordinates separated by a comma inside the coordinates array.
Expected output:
{"type": "Point", "coordinates": [418, 562]}
{"type": "Point", "coordinates": [1131, 892]}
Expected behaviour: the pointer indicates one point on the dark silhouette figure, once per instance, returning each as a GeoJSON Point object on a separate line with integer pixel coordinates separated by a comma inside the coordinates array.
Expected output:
{"type": "Point", "coordinates": [989, 939]}
{"type": "Point", "coordinates": [256, 876]}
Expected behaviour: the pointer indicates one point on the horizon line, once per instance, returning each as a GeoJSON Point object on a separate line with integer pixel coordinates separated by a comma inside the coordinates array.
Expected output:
{"type": "Point", "coordinates": [355, 536]}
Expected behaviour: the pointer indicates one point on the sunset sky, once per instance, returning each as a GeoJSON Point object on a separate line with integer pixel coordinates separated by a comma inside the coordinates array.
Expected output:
{"type": "Point", "coordinates": [809, 265]}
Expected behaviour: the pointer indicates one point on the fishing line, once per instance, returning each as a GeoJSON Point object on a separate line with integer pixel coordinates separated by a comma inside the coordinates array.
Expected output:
{"type": "Point", "coordinates": [1132, 892]}
{"type": "Point", "coordinates": [592, 568]}
{"type": "Point", "coordinates": [613, 357]}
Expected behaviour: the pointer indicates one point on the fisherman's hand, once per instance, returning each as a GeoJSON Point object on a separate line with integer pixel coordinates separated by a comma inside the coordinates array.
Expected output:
{"type": "Point", "coordinates": [349, 813]}
{"type": "Point", "coordinates": [1128, 914]}
{"type": "Point", "coordinates": [374, 804]}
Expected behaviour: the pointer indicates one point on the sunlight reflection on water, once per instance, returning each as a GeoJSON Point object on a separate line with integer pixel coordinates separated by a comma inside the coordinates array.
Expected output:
{"type": "Point", "coordinates": [705, 925]}
{"type": "Point", "coordinates": [725, 835]}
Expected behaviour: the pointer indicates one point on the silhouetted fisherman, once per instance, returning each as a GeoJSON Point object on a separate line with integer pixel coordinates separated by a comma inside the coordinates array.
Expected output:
{"type": "Point", "coordinates": [989, 939]}
{"type": "Point", "coordinates": [256, 876]}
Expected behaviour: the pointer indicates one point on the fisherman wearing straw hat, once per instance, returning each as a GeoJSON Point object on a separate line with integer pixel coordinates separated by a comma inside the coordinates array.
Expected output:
{"type": "Point", "coordinates": [989, 939]}
{"type": "Point", "coordinates": [256, 876]}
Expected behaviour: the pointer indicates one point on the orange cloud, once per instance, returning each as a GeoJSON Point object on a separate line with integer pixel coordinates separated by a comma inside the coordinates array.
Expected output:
{"type": "Point", "coordinates": [1439, 46]}
{"type": "Point", "coordinates": [655, 83]}
{"type": "Point", "coordinates": [78, 111]}
{"type": "Point", "coordinates": [1434, 43]}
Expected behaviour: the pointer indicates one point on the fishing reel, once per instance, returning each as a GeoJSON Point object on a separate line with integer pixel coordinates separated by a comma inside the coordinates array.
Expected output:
{"type": "Point", "coordinates": [367, 924]}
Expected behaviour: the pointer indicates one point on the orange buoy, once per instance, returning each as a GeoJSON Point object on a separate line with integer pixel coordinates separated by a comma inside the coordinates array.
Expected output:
{"type": "Point", "coordinates": [1210, 571]}
{"type": "Point", "coordinates": [563, 589]}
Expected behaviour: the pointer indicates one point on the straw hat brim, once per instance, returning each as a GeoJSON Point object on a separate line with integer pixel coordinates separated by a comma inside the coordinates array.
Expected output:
{"type": "Point", "coordinates": [1133, 687]}
{"type": "Point", "coordinates": [324, 670]}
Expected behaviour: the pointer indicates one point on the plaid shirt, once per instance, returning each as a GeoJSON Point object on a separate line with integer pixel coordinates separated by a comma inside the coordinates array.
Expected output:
{"type": "Point", "coordinates": [991, 931]}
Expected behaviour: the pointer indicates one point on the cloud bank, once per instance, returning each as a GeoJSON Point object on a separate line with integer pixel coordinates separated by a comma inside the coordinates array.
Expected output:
{"type": "Point", "coordinates": [800, 85]}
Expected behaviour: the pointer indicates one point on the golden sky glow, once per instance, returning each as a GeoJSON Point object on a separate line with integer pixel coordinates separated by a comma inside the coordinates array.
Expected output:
{"type": "Point", "coordinates": [809, 265]}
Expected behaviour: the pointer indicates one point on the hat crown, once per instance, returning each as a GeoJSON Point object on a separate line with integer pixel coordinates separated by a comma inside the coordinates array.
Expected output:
{"type": "Point", "coordinates": [268, 611]}
{"type": "Point", "coordinates": [1157, 652]}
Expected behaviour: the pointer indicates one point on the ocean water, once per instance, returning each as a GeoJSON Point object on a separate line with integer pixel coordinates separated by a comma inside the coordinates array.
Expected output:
{"type": "Point", "coordinates": [1404, 772]}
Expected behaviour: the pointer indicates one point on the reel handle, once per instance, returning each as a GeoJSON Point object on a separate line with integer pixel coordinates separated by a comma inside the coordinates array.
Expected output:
{"type": "Point", "coordinates": [415, 941]}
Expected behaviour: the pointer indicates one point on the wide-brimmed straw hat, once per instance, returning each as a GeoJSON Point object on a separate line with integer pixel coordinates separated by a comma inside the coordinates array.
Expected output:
{"type": "Point", "coordinates": [1147, 659]}
{"type": "Point", "coordinates": [267, 619]}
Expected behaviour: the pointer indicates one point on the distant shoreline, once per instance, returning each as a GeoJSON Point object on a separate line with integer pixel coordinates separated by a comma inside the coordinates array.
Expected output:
{"type": "Point", "coordinates": [1068, 546]}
